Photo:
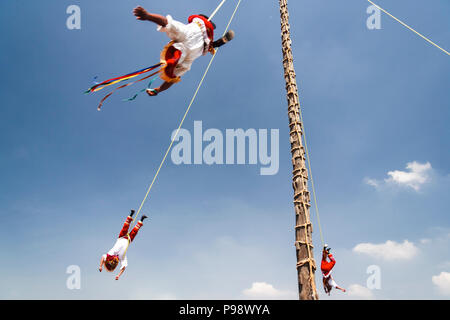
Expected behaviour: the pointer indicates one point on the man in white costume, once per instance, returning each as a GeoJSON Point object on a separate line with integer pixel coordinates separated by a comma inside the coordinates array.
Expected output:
{"type": "Point", "coordinates": [188, 42]}
{"type": "Point", "coordinates": [118, 252]}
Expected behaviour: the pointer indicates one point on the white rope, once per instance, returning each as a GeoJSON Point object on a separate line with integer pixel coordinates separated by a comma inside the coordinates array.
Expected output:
{"type": "Point", "coordinates": [217, 10]}
{"type": "Point", "coordinates": [184, 117]}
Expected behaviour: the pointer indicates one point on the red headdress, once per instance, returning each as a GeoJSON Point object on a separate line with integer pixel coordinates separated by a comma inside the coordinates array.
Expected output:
{"type": "Point", "coordinates": [111, 258]}
{"type": "Point", "coordinates": [208, 24]}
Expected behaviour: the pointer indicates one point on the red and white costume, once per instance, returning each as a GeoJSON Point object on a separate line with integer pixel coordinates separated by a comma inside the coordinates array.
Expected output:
{"type": "Point", "coordinates": [326, 267]}
{"type": "Point", "coordinates": [189, 42]}
{"type": "Point", "coordinates": [120, 247]}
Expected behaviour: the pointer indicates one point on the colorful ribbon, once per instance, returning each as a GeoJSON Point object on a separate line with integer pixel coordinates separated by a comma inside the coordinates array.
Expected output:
{"type": "Point", "coordinates": [123, 86]}
{"type": "Point", "coordinates": [113, 81]}
{"type": "Point", "coordinates": [110, 82]}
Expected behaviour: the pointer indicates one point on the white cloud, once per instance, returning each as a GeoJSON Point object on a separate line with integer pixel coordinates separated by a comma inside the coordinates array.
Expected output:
{"type": "Point", "coordinates": [372, 182]}
{"type": "Point", "coordinates": [416, 175]}
{"type": "Point", "coordinates": [442, 281]}
{"type": "Point", "coordinates": [263, 290]}
{"type": "Point", "coordinates": [390, 250]}
{"type": "Point", "coordinates": [356, 291]}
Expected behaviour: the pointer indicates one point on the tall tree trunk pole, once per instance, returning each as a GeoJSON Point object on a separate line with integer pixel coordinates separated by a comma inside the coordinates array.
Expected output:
{"type": "Point", "coordinates": [306, 265]}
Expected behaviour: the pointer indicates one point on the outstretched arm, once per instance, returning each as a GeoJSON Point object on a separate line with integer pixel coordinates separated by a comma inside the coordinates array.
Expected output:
{"type": "Point", "coordinates": [102, 261]}
{"type": "Point", "coordinates": [226, 38]}
{"type": "Point", "coordinates": [340, 288]}
{"type": "Point", "coordinates": [144, 15]}
{"type": "Point", "coordinates": [166, 85]}
{"type": "Point", "coordinates": [120, 273]}
{"type": "Point", "coordinates": [153, 92]}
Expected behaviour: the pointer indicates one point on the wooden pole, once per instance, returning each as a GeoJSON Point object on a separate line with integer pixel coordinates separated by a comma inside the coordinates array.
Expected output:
{"type": "Point", "coordinates": [306, 265]}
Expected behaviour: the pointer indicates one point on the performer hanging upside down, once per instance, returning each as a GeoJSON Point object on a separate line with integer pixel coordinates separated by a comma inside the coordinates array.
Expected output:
{"type": "Point", "coordinates": [189, 42]}
{"type": "Point", "coordinates": [327, 266]}
{"type": "Point", "coordinates": [118, 252]}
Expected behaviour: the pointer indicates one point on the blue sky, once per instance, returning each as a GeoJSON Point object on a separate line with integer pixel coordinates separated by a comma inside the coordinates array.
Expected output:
{"type": "Point", "coordinates": [373, 102]}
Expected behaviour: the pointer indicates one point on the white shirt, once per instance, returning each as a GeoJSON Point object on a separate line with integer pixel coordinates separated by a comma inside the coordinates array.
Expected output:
{"type": "Point", "coordinates": [331, 282]}
{"type": "Point", "coordinates": [119, 249]}
{"type": "Point", "coordinates": [189, 38]}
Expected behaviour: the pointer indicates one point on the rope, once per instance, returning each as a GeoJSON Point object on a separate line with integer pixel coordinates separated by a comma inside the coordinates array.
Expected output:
{"type": "Point", "coordinates": [304, 132]}
{"type": "Point", "coordinates": [405, 25]}
{"type": "Point", "coordinates": [217, 10]}
{"type": "Point", "coordinates": [310, 258]}
{"type": "Point", "coordinates": [184, 117]}
{"type": "Point", "coordinates": [311, 175]}
{"type": "Point", "coordinates": [129, 242]}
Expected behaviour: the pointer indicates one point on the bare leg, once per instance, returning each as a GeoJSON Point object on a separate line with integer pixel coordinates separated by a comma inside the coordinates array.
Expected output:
{"type": "Point", "coordinates": [165, 86]}
{"type": "Point", "coordinates": [144, 15]}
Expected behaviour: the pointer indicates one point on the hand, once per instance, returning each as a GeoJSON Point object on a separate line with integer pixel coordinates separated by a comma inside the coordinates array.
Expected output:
{"type": "Point", "coordinates": [152, 92]}
{"type": "Point", "coordinates": [100, 269]}
{"type": "Point", "coordinates": [117, 277]}
{"type": "Point", "coordinates": [140, 13]}
{"type": "Point", "coordinates": [211, 48]}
